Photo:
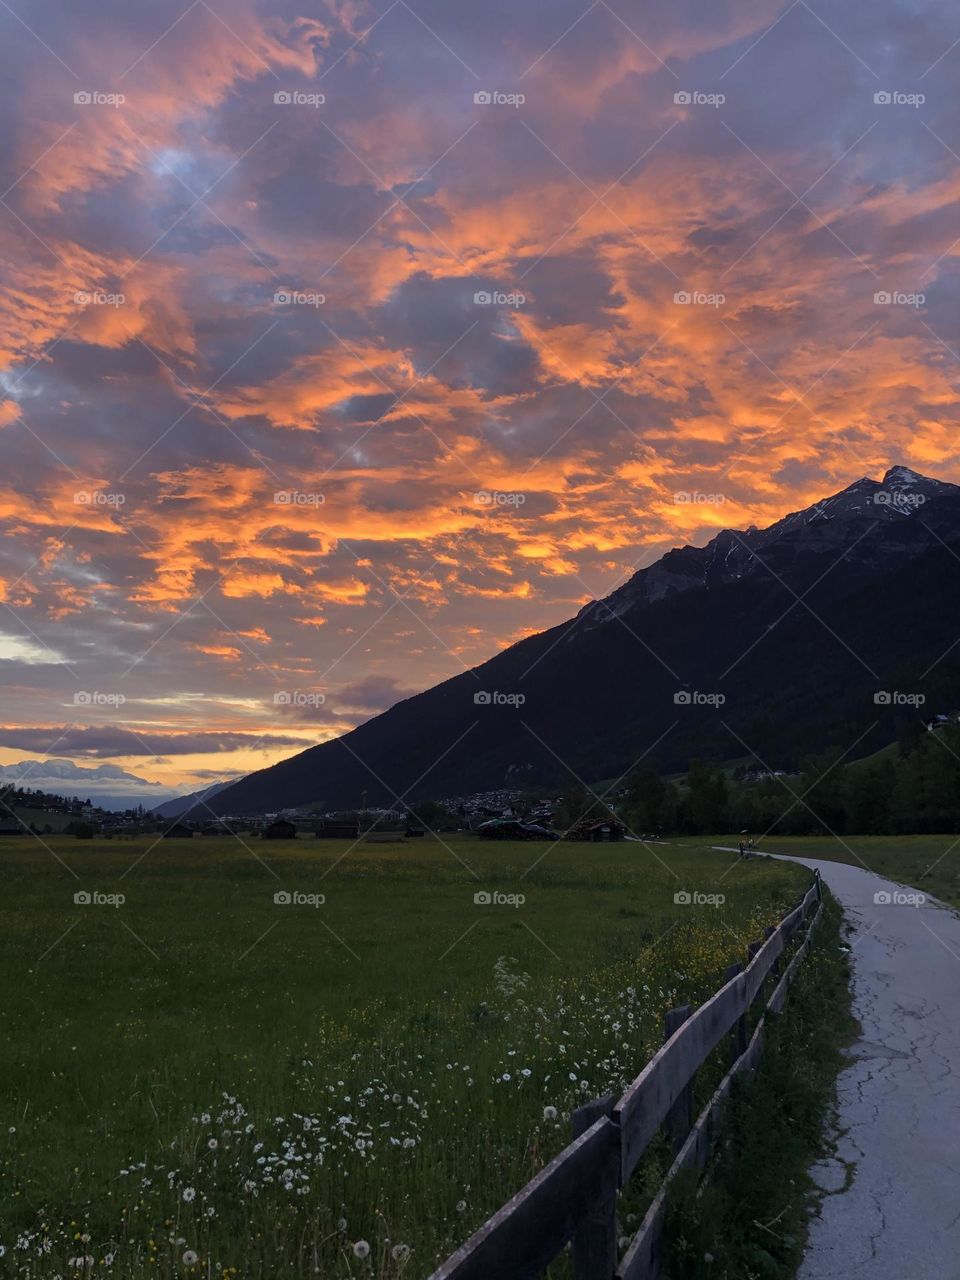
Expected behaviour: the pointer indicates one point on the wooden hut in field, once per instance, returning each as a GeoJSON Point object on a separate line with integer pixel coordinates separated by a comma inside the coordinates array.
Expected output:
{"type": "Point", "coordinates": [597, 830]}
{"type": "Point", "coordinates": [179, 831]}
{"type": "Point", "coordinates": [280, 830]}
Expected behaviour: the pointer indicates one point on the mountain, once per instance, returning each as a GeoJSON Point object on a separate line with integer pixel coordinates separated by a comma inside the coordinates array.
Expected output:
{"type": "Point", "coordinates": [174, 808]}
{"type": "Point", "coordinates": [105, 784]}
{"type": "Point", "coordinates": [825, 628]}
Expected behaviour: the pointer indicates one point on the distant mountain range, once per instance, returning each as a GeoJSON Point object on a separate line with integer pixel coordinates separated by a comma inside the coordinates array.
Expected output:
{"type": "Point", "coordinates": [824, 629]}
{"type": "Point", "coordinates": [104, 784]}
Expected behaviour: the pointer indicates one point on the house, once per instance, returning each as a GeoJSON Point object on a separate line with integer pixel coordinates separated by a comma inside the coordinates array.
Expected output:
{"type": "Point", "coordinates": [338, 830]}
{"type": "Point", "coordinates": [514, 829]}
{"type": "Point", "coordinates": [10, 829]}
{"type": "Point", "coordinates": [597, 830]}
{"type": "Point", "coordinates": [413, 831]}
{"type": "Point", "coordinates": [179, 831]}
{"type": "Point", "coordinates": [280, 830]}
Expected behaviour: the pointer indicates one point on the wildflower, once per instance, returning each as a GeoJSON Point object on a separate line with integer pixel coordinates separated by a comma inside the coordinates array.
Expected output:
{"type": "Point", "coordinates": [189, 1257]}
{"type": "Point", "coordinates": [361, 1250]}
{"type": "Point", "coordinates": [549, 1113]}
{"type": "Point", "coordinates": [212, 1144]}
{"type": "Point", "coordinates": [342, 1224]}
{"type": "Point", "coordinates": [400, 1252]}
{"type": "Point", "coordinates": [189, 1195]}
{"type": "Point", "coordinates": [461, 1206]}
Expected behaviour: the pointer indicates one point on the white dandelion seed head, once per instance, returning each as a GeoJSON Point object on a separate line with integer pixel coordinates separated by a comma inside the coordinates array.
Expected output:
{"type": "Point", "coordinates": [361, 1250]}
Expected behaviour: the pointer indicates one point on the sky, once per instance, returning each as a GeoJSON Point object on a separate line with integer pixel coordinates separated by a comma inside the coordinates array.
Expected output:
{"type": "Point", "coordinates": [343, 345]}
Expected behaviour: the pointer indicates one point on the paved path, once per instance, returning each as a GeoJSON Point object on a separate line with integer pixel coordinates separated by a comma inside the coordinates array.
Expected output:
{"type": "Point", "coordinates": [899, 1100]}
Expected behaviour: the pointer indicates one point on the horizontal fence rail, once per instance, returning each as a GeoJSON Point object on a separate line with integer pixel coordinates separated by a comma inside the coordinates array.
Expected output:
{"type": "Point", "coordinates": [574, 1198]}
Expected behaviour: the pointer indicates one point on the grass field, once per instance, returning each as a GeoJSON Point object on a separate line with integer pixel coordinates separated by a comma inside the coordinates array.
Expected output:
{"type": "Point", "coordinates": [931, 863]}
{"type": "Point", "coordinates": [203, 1081]}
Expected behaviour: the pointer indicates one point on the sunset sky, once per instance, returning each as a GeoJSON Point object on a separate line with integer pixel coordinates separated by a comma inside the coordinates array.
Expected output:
{"type": "Point", "coordinates": [262, 437]}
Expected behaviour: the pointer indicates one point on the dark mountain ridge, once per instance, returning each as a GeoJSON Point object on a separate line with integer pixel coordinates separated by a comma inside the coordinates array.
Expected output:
{"type": "Point", "coordinates": [771, 643]}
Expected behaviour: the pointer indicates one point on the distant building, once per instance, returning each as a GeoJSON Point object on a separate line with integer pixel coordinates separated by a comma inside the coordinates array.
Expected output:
{"type": "Point", "coordinates": [597, 830]}
{"type": "Point", "coordinates": [280, 830]}
{"type": "Point", "coordinates": [10, 829]}
{"type": "Point", "coordinates": [179, 831]}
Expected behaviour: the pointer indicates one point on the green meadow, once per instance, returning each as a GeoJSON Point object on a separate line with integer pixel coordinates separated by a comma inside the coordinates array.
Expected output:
{"type": "Point", "coordinates": [201, 1078]}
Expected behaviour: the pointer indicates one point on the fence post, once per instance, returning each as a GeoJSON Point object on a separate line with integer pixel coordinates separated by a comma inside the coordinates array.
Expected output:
{"type": "Point", "coordinates": [595, 1244]}
{"type": "Point", "coordinates": [679, 1119]}
{"type": "Point", "coordinates": [738, 1033]}
{"type": "Point", "coordinates": [767, 934]}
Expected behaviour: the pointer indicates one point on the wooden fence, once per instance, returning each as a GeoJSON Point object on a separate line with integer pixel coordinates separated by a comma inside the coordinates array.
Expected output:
{"type": "Point", "coordinates": [574, 1198]}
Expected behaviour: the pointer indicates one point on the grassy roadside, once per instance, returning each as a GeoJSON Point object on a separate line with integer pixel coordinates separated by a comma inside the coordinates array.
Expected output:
{"type": "Point", "coordinates": [928, 862]}
{"type": "Point", "coordinates": [749, 1221]}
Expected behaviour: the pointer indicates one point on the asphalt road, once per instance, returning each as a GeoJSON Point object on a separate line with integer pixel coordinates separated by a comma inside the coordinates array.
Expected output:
{"type": "Point", "coordinates": [891, 1203]}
